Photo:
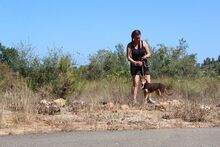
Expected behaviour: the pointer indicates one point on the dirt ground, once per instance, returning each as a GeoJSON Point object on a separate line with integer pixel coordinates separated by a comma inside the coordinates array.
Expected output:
{"type": "Point", "coordinates": [109, 116]}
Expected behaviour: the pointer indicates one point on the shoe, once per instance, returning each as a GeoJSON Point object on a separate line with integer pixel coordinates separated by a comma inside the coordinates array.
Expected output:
{"type": "Point", "coordinates": [135, 102]}
{"type": "Point", "coordinates": [150, 101]}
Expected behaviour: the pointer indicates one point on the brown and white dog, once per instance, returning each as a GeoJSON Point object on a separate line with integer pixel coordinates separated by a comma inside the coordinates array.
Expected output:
{"type": "Point", "coordinates": [148, 88]}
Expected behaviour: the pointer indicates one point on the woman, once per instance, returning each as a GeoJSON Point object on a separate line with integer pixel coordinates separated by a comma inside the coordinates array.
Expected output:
{"type": "Point", "coordinates": [138, 54]}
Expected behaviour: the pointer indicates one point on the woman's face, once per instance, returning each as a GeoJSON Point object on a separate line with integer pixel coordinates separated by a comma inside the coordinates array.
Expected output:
{"type": "Point", "coordinates": [137, 37]}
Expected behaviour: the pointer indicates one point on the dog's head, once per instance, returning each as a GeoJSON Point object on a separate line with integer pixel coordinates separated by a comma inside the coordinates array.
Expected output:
{"type": "Point", "coordinates": [144, 82]}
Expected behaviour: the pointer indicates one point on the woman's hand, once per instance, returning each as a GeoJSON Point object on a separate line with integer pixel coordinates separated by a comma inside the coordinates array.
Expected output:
{"type": "Point", "coordinates": [138, 63]}
{"type": "Point", "coordinates": [144, 57]}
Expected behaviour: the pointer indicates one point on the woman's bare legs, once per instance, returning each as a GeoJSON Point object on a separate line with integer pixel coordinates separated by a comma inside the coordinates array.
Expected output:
{"type": "Point", "coordinates": [135, 79]}
{"type": "Point", "coordinates": [149, 81]}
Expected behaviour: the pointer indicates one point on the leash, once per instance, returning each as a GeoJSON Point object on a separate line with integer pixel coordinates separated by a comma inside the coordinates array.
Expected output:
{"type": "Point", "coordinates": [142, 68]}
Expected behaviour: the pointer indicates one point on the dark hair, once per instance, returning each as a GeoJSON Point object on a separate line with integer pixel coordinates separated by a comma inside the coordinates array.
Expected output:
{"type": "Point", "coordinates": [135, 32]}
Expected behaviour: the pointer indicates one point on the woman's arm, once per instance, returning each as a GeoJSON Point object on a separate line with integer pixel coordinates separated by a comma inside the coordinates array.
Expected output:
{"type": "Point", "coordinates": [147, 50]}
{"type": "Point", "coordinates": [129, 55]}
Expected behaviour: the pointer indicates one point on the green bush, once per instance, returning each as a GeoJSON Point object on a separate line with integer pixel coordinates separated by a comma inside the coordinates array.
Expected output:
{"type": "Point", "coordinates": [106, 62]}
{"type": "Point", "coordinates": [57, 74]}
{"type": "Point", "coordinates": [173, 62]}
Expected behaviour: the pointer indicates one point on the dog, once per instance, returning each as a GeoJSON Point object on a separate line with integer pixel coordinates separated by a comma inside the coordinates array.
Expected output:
{"type": "Point", "coordinates": [158, 88]}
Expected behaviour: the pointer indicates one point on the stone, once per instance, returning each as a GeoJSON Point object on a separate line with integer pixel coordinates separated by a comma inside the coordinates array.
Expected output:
{"type": "Point", "coordinates": [110, 105]}
{"type": "Point", "coordinates": [60, 102]}
{"type": "Point", "coordinates": [124, 107]}
{"type": "Point", "coordinates": [47, 107]}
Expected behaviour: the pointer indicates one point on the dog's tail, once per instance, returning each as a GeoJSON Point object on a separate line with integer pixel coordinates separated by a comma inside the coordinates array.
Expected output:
{"type": "Point", "coordinates": [167, 93]}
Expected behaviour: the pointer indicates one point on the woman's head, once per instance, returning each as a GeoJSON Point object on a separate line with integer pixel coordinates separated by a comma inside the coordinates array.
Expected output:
{"type": "Point", "coordinates": [136, 35]}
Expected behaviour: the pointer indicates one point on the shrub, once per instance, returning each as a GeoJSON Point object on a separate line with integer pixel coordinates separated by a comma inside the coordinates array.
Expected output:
{"type": "Point", "coordinates": [190, 112]}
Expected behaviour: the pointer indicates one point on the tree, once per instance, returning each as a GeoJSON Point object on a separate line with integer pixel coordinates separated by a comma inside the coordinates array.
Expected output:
{"type": "Point", "coordinates": [121, 57]}
{"type": "Point", "coordinates": [107, 62]}
{"type": "Point", "coordinates": [10, 57]}
{"type": "Point", "coordinates": [207, 61]}
{"type": "Point", "coordinates": [219, 58]}
{"type": "Point", "coordinates": [213, 61]}
{"type": "Point", "coordinates": [218, 68]}
{"type": "Point", "coordinates": [173, 62]}
{"type": "Point", "coordinates": [18, 58]}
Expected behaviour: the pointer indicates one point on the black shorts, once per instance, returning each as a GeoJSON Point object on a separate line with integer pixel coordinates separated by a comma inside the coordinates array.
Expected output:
{"type": "Point", "coordinates": [139, 70]}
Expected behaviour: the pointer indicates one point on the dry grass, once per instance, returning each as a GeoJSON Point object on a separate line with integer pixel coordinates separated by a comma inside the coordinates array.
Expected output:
{"type": "Point", "coordinates": [107, 90]}
{"type": "Point", "coordinates": [108, 117]}
{"type": "Point", "coordinates": [19, 99]}
{"type": "Point", "coordinates": [203, 90]}
{"type": "Point", "coordinates": [103, 106]}
{"type": "Point", "coordinates": [192, 112]}
{"type": "Point", "coordinates": [14, 92]}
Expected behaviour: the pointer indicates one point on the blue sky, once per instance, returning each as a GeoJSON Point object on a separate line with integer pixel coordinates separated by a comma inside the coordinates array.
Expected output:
{"type": "Point", "coordinates": [84, 26]}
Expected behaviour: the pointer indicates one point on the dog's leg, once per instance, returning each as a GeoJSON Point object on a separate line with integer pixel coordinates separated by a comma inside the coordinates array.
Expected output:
{"type": "Point", "coordinates": [166, 92]}
{"type": "Point", "coordinates": [157, 92]}
{"type": "Point", "coordinates": [145, 93]}
{"type": "Point", "coordinates": [160, 94]}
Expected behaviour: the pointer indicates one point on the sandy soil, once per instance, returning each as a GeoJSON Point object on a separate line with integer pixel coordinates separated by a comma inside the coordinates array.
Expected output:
{"type": "Point", "coordinates": [103, 117]}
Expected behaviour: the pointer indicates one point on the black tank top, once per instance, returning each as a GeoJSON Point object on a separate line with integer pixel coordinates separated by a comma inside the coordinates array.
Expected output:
{"type": "Point", "coordinates": [137, 54]}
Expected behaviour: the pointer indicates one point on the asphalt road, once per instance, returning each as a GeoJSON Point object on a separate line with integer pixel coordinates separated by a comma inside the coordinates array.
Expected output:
{"type": "Point", "coordinates": [208, 137]}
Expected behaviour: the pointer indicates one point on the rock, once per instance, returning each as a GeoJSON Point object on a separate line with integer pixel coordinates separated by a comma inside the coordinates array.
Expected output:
{"type": "Point", "coordinates": [47, 107]}
{"type": "Point", "coordinates": [76, 105]}
{"type": "Point", "coordinates": [60, 102]}
{"type": "Point", "coordinates": [110, 105]}
{"type": "Point", "coordinates": [160, 107]}
{"type": "Point", "coordinates": [107, 105]}
{"type": "Point", "coordinates": [103, 103]}
{"type": "Point", "coordinates": [124, 107]}
{"type": "Point", "coordinates": [53, 109]}
{"type": "Point", "coordinates": [166, 116]}
{"type": "Point", "coordinates": [173, 103]}
{"type": "Point", "coordinates": [44, 102]}
{"type": "Point", "coordinates": [205, 107]}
